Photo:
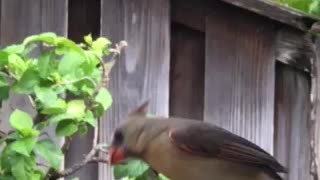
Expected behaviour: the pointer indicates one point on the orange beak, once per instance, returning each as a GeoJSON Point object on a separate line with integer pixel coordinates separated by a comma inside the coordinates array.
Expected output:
{"type": "Point", "coordinates": [116, 155]}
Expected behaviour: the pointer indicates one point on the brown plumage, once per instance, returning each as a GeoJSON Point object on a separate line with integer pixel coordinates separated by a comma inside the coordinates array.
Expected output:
{"type": "Point", "coordinates": [184, 149]}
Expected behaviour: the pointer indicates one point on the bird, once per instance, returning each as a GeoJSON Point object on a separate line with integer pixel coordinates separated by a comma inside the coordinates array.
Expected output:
{"type": "Point", "coordinates": [188, 149]}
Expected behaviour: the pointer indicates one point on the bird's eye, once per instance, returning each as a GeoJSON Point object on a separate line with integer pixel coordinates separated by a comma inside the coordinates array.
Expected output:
{"type": "Point", "coordinates": [118, 137]}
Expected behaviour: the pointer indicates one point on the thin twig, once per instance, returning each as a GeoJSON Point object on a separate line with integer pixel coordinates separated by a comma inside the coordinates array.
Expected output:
{"type": "Point", "coordinates": [2, 134]}
{"type": "Point", "coordinates": [95, 136]}
{"type": "Point", "coordinates": [43, 165]}
{"type": "Point", "coordinates": [89, 158]}
{"type": "Point", "coordinates": [45, 134]}
{"type": "Point", "coordinates": [33, 104]}
{"type": "Point", "coordinates": [106, 67]}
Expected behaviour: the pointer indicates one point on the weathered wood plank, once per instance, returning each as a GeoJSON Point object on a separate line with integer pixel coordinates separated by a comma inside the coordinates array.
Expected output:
{"type": "Point", "coordinates": [187, 72]}
{"type": "Point", "coordinates": [54, 16]}
{"type": "Point", "coordinates": [294, 47]}
{"type": "Point", "coordinates": [143, 71]}
{"type": "Point", "coordinates": [276, 12]}
{"type": "Point", "coordinates": [84, 18]}
{"type": "Point", "coordinates": [191, 13]}
{"type": "Point", "coordinates": [315, 98]}
{"type": "Point", "coordinates": [292, 121]}
{"type": "Point", "coordinates": [239, 75]}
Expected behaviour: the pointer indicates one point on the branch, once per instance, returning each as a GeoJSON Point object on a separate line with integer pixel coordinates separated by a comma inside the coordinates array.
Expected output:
{"type": "Point", "coordinates": [89, 158]}
{"type": "Point", "coordinates": [106, 67]}
{"type": "Point", "coordinates": [2, 134]}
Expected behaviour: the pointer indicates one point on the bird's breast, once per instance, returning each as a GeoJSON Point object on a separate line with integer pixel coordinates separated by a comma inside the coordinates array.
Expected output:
{"type": "Point", "coordinates": [163, 156]}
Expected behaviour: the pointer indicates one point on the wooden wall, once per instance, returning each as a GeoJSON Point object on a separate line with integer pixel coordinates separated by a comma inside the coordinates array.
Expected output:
{"type": "Point", "coordinates": [246, 88]}
{"type": "Point", "coordinates": [292, 121]}
{"type": "Point", "coordinates": [204, 60]}
{"type": "Point", "coordinates": [143, 71]}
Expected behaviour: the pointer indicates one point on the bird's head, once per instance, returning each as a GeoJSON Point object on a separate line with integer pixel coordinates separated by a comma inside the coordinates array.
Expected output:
{"type": "Point", "coordinates": [129, 139]}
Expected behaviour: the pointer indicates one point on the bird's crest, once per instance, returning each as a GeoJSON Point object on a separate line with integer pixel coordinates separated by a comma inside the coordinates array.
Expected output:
{"type": "Point", "coordinates": [141, 109]}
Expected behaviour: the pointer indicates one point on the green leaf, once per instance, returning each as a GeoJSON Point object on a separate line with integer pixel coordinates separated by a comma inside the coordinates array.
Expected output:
{"type": "Point", "coordinates": [100, 44]}
{"type": "Point", "coordinates": [24, 146]}
{"type": "Point", "coordinates": [84, 87]}
{"type": "Point", "coordinates": [60, 106]}
{"type": "Point", "coordinates": [29, 132]}
{"type": "Point", "coordinates": [16, 65]}
{"type": "Point", "coordinates": [88, 39]}
{"type": "Point", "coordinates": [47, 37]}
{"type": "Point", "coordinates": [20, 120]}
{"type": "Point", "coordinates": [7, 177]}
{"type": "Point", "coordinates": [41, 125]}
{"type": "Point", "coordinates": [104, 98]}
{"type": "Point", "coordinates": [162, 177]}
{"type": "Point", "coordinates": [60, 117]}
{"type": "Point", "coordinates": [14, 49]}
{"type": "Point", "coordinates": [70, 62]}
{"type": "Point", "coordinates": [36, 176]}
{"type": "Point", "coordinates": [3, 58]}
{"type": "Point", "coordinates": [132, 168]}
{"type": "Point", "coordinates": [22, 167]}
{"type": "Point", "coordinates": [91, 62]}
{"type": "Point", "coordinates": [50, 152]}
{"type": "Point", "coordinates": [66, 128]}
{"type": "Point", "coordinates": [83, 129]}
{"type": "Point", "coordinates": [76, 108]}
{"type": "Point", "coordinates": [44, 64]}
{"type": "Point", "coordinates": [28, 81]}
{"type": "Point", "coordinates": [4, 92]}
{"type": "Point", "coordinates": [64, 45]}
{"type": "Point", "coordinates": [46, 96]}
{"type": "Point", "coordinates": [89, 118]}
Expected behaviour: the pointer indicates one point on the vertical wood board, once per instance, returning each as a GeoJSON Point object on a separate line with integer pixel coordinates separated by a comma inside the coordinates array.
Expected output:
{"type": "Point", "coordinates": [316, 109]}
{"type": "Point", "coordinates": [142, 72]}
{"type": "Point", "coordinates": [292, 121]}
{"type": "Point", "coordinates": [239, 74]}
{"type": "Point", "coordinates": [84, 18]}
{"type": "Point", "coordinates": [187, 72]}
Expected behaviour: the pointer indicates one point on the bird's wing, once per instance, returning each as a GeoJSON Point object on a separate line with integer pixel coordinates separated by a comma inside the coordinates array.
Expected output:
{"type": "Point", "coordinates": [211, 141]}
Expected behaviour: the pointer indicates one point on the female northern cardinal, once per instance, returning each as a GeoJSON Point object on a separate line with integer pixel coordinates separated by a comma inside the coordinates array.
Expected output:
{"type": "Point", "coordinates": [183, 149]}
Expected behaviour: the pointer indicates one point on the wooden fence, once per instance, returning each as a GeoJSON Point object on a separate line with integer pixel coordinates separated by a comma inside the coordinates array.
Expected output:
{"type": "Point", "coordinates": [177, 61]}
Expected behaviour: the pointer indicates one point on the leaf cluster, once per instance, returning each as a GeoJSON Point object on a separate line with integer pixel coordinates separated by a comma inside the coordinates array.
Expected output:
{"type": "Point", "coordinates": [308, 6]}
{"type": "Point", "coordinates": [61, 78]}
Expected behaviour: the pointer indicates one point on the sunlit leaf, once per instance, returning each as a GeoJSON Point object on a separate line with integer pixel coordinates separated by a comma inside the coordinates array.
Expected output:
{"type": "Point", "coordinates": [50, 152]}
{"type": "Point", "coordinates": [104, 98]}
{"type": "Point", "coordinates": [20, 120]}
{"type": "Point", "coordinates": [66, 128]}
{"type": "Point", "coordinates": [47, 37]}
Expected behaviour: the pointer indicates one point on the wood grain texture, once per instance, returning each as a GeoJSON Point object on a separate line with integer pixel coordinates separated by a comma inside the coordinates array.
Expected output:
{"type": "Point", "coordinates": [83, 18]}
{"type": "Point", "coordinates": [187, 72]}
{"type": "Point", "coordinates": [277, 12]}
{"type": "Point", "coordinates": [316, 111]}
{"type": "Point", "coordinates": [191, 13]}
{"type": "Point", "coordinates": [239, 74]}
{"type": "Point", "coordinates": [294, 48]}
{"type": "Point", "coordinates": [22, 18]}
{"type": "Point", "coordinates": [143, 70]}
{"type": "Point", "coordinates": [292, 121]}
